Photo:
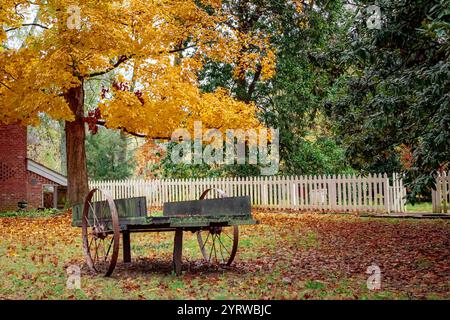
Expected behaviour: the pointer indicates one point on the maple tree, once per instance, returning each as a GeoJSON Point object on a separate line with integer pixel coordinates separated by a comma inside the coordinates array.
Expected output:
{"type": "Point", "coordinates": [162, 43]}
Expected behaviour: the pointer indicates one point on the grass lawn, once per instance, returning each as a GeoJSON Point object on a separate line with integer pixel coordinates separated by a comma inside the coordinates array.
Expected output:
{"type": "Point", "coordinates": [31, 214]}
{"type": "Point", "coordinates": [288, 256]}
{"type": "Point", "coordinates": [420, 207]}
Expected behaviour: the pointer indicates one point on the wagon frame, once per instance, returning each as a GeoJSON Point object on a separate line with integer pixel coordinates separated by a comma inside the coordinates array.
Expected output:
{"type": "Point", "coordinates": [103, 221]}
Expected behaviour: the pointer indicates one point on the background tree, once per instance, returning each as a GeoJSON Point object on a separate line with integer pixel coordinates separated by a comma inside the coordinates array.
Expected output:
{"type": "Point", "coordinates": [43, 143]}
{"type": "Point", "coordinates": [108, 157]}
{"type": "Point", "coordinates": [307, 44]}
{"type": "Point", "coordinates": [162, 166]}
{"type": "Point", "coordinates": [307, 72]}
{"type": "Point", "coordinates": [396, 98]}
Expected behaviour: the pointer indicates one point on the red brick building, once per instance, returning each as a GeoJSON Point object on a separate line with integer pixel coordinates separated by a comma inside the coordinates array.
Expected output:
{"type": "Point", "coordinates": [22, 179]}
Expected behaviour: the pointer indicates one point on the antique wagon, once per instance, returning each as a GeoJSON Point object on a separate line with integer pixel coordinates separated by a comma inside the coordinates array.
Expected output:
{"type": "Point", "coordinates": [214, 220]}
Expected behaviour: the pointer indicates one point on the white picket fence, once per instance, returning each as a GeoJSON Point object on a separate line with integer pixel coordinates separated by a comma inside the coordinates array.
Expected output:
{"type": "Point", "coordinates": [441, 196]}
{"type": "Point", "coordinates": [339, 193]}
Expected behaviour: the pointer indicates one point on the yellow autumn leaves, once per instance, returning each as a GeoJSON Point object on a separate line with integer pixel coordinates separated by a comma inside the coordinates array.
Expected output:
{"type": "Point", "coordinates": [163, 43]}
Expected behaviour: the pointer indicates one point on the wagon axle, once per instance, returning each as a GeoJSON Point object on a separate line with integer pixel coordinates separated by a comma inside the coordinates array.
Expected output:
{"type": "Point", "coordinates": [99, 232]}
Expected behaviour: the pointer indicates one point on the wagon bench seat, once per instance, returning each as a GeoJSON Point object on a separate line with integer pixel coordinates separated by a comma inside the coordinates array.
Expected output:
{"type": "Point", "coordinates": [199, 213]}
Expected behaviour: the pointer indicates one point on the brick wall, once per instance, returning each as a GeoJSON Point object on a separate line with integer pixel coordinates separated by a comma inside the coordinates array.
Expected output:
{"type": "Point", "coordinates": [13, 167]}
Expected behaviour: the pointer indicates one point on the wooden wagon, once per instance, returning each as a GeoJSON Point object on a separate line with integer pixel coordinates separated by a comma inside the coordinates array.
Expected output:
{"type": "Point", "coordinates": [214, 220]}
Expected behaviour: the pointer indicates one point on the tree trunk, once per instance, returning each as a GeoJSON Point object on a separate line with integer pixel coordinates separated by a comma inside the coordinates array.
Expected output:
{"type": "Point", "coordinates": [62, 148]}
{"type": "Point", "coordinates": [75, 147]}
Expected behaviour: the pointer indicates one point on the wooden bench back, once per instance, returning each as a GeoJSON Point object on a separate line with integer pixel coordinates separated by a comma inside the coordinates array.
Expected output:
{"type": "Point", "coordinates": [233, 206]}
{"type": "Point", "coordinates": [126, 208]}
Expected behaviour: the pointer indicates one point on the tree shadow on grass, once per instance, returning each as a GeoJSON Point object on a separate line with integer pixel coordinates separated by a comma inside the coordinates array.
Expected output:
{"type": "Point", "coordinates": [164, 267]}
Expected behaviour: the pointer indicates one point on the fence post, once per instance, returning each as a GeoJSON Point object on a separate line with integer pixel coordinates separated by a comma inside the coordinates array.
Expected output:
{"type": "Point", "coordinates": [434, 200]}
{"type": "Point", "coordinates": [301, 192]}
{"type": "Point", "coordinates": [354, 193]}
{"type": "Point", "coordinates": [436, 197]}
{"type": "Point", "coordinates": [293, 185]}
{"type": "Point", "coordinates": [403, 195]}
{"type": "Point", "coordinates": [438, 194]}
{"type": "Point", "coordinates": [386, 198]}
{"type": "Point", "coordinates": [445, 189]}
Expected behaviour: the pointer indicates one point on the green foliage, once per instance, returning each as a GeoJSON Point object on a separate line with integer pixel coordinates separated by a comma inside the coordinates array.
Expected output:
{"type": "Point", "coordinates": [398, 91]}
{"type": "Point", "coordinates": [315, 285]}
{"type": "Point", "coordinates": [108, 156]}
{"type": "Point", "coordinates": [321, 156]}
{"type": "Point", "coordinates": [306, 72]}
{"type": "Point", "coordinates": [420, 207]}
{"type": "Point", "coordinates": [167, 169]}
{"type": "Point", "coordinates": [44, 143]}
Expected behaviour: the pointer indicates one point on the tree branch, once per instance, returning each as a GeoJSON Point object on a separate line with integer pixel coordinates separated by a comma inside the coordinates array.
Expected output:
{"type": "Point", "coordinates": [125, 58]}
{"type": "Point", "coordinates": [6, 86]}
{"type": "Point", "coordinates": [27, 25]}
{"type": "Point", "coordinates": [139, 135]}
{"type": "Point", "coordinates": [180, 49]}
{"type": "Point", "coordinates": [251, 87]}
{"type": "Point", "coordinates": [121, 60]}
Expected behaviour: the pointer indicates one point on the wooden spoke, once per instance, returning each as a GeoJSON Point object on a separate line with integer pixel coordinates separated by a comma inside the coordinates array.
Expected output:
{"type": "Point", "coordinates": [218, 246]}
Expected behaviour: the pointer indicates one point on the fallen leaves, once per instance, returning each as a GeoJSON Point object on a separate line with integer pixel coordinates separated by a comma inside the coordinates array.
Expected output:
{"type": "Point", "coordinates": [288, 256]}
{"type": "Point", "coordinates": [414, 256]}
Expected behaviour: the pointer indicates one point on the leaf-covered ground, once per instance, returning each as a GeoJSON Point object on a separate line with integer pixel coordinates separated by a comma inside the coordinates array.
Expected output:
{"type": "Point", "coordinates": [288, 256]}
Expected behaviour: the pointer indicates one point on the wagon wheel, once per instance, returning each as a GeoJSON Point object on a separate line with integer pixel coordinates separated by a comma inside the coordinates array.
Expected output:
{"type": "Point", "coordinates": [218, 245]}
{"type": "Point", "coordinates": [100, 232]}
